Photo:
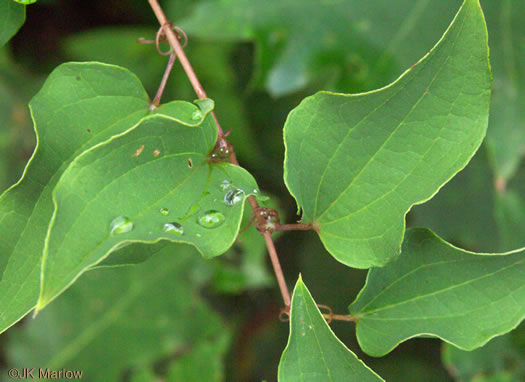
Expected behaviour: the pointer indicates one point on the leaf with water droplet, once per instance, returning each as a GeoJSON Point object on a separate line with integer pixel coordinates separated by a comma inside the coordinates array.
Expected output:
{"type": "Point", "coordinates": [92, 191]}
{"type": "Point", "coordinates": [175, 228]}
{"type": "Point", "coordinates": [88, 103]}
{"type": "Point", "coordinates": [211, 219]}
{"type": "Point", "coordinates": [233, 197]}
{"type": "Point", "coordinates": [120, 224]}
{"type": "Point", "coordinates": [164, 211]}
{"type": "Point", "coordinates": [357, 163]}
{"type": "Point", "coordinates": [225, 185]}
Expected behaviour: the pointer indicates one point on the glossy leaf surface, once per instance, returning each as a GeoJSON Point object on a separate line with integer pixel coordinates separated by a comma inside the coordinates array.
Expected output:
{"type": "Point", "coordinates": [155, 181]}
{"type": "Point", "coordinates": [357, 163]}
{"type": "Point", "coordinates": [313, 352]}
{"type": "Point", "coordinates": [439, 290]}
{"type": "Point", "coordinates": [80, 105]}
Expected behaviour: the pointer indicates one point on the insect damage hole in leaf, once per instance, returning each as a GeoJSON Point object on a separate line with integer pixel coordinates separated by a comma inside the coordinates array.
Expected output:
{"type": "Point", "coordinates": [356, 164]}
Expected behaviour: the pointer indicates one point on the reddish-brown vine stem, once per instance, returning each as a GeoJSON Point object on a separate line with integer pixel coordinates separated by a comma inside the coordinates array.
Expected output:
{"type": "Point", "coordinates": [190, 73]}
{"type": "Point", "coordinates": [174, 43]}
{"type": "Point", "coordinates": [294, 227]}
{"type": "Point", "coordinates": [178, 52]}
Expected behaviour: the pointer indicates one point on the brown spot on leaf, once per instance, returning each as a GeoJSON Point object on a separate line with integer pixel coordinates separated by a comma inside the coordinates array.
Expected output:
{"type": "Point", "coordinates": [156, 153]}
{"type": "Point", "coordinates": [190, 163]}
{"type": "Point", "coordinates": [139, 151]}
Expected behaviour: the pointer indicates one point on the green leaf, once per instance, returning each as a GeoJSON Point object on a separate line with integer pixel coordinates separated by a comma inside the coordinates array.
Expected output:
{"type": "Point", "coordinates": [80, 105]}
{"type": "Point", "coordinates": [155, 181]}
{"type": "Point", "coordinates": [118, 46]}
{"type": "Point", "coordinates": [244, 265]}
{"type": "Point", "coordinates": [12, 16]}
{"type": "Point", "coordinates": [113, 320]}
{"type": "Point", "coordinates": [506, 135]}
{"type": "Point", "coordinates": [439, 290]}
{"type": "Point", "coordinates": [357, 163]}
{"type": "Point", "coordinates": [27, 2]}
{"type": "Point", "coordinates": [313, 352]}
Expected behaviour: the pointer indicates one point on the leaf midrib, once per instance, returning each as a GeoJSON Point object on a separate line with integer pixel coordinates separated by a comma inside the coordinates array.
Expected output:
{"type": "Point", "coordinates": [451, 287]}
{"type": "Point", "coordinates": [396, 129]}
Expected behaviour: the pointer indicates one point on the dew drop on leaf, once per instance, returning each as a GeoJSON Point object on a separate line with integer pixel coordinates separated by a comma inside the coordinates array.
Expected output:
{"type": "Point", "coordinates": [164, 211]}
{"type": "Point", "coordinates": [225, 185]}
{"type": "Point", "coordinates": [197, 114]}
{"type": "Point", "coordinates": [174, 228]}
{"type": "Point", "coordinates": [211, 219]}
{"type": "Point", "coordinates": [121, 224]}
{"type": "Point", "coordinates": [233, 197]}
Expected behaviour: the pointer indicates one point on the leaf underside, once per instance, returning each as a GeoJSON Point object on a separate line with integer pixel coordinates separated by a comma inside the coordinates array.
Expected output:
{"type": "Point", "coordinates": [356, 164]}
{"type": "Point", "coordinates": [313, 352]}
{"type": "Point", "coordinates": [439, 290]}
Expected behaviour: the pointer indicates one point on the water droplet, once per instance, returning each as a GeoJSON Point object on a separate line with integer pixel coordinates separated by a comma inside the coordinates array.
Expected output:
{"type": "Point", "coordinates": [164, 211]}
{"type": "Point", "coordinates": [225, 185]}
{"type": "Point", "coordinates": [121, 224]}
{"type": "Point", "coordinates": [233, 197]}
{"type": "Point", "coordinates": [198, 235]}
{"type": "Point", "coordinates": [197, 114]}
{"type": "Point", "coordinates": [211, 219]}
{"type": "Point", "coordinates": [174, 228]}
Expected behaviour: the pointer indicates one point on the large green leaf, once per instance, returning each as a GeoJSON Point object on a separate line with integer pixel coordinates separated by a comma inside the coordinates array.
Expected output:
{"type": "Point", "coordinates": [80, 104]}
{"type": "Point", "coordinates": [313, 352]}
{"type": "Point", "coordinates": [12, 16]}
{"type": "Point", "coordinates": [439, 290]}
{"type": "Point", "coordinates": [155, 181]}
{"type": "Point", "coordinates": [357, 163]}
{"type": "Point", "coordinates": [114, 320]}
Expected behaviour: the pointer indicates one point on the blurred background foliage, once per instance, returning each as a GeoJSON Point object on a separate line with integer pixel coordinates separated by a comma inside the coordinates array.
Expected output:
{"type": "Point", "coordinates": [179, 318]}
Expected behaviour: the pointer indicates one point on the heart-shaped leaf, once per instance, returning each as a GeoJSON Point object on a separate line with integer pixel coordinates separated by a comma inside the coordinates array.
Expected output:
{"type": "Point", "coordinates": [439, 290]}
{"type": "Point", "coordinates": [357, 163]}
{"type": "Point", "coordinates": [80, 105]}
{"type": "Point", "coordinates": [155, 181]}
